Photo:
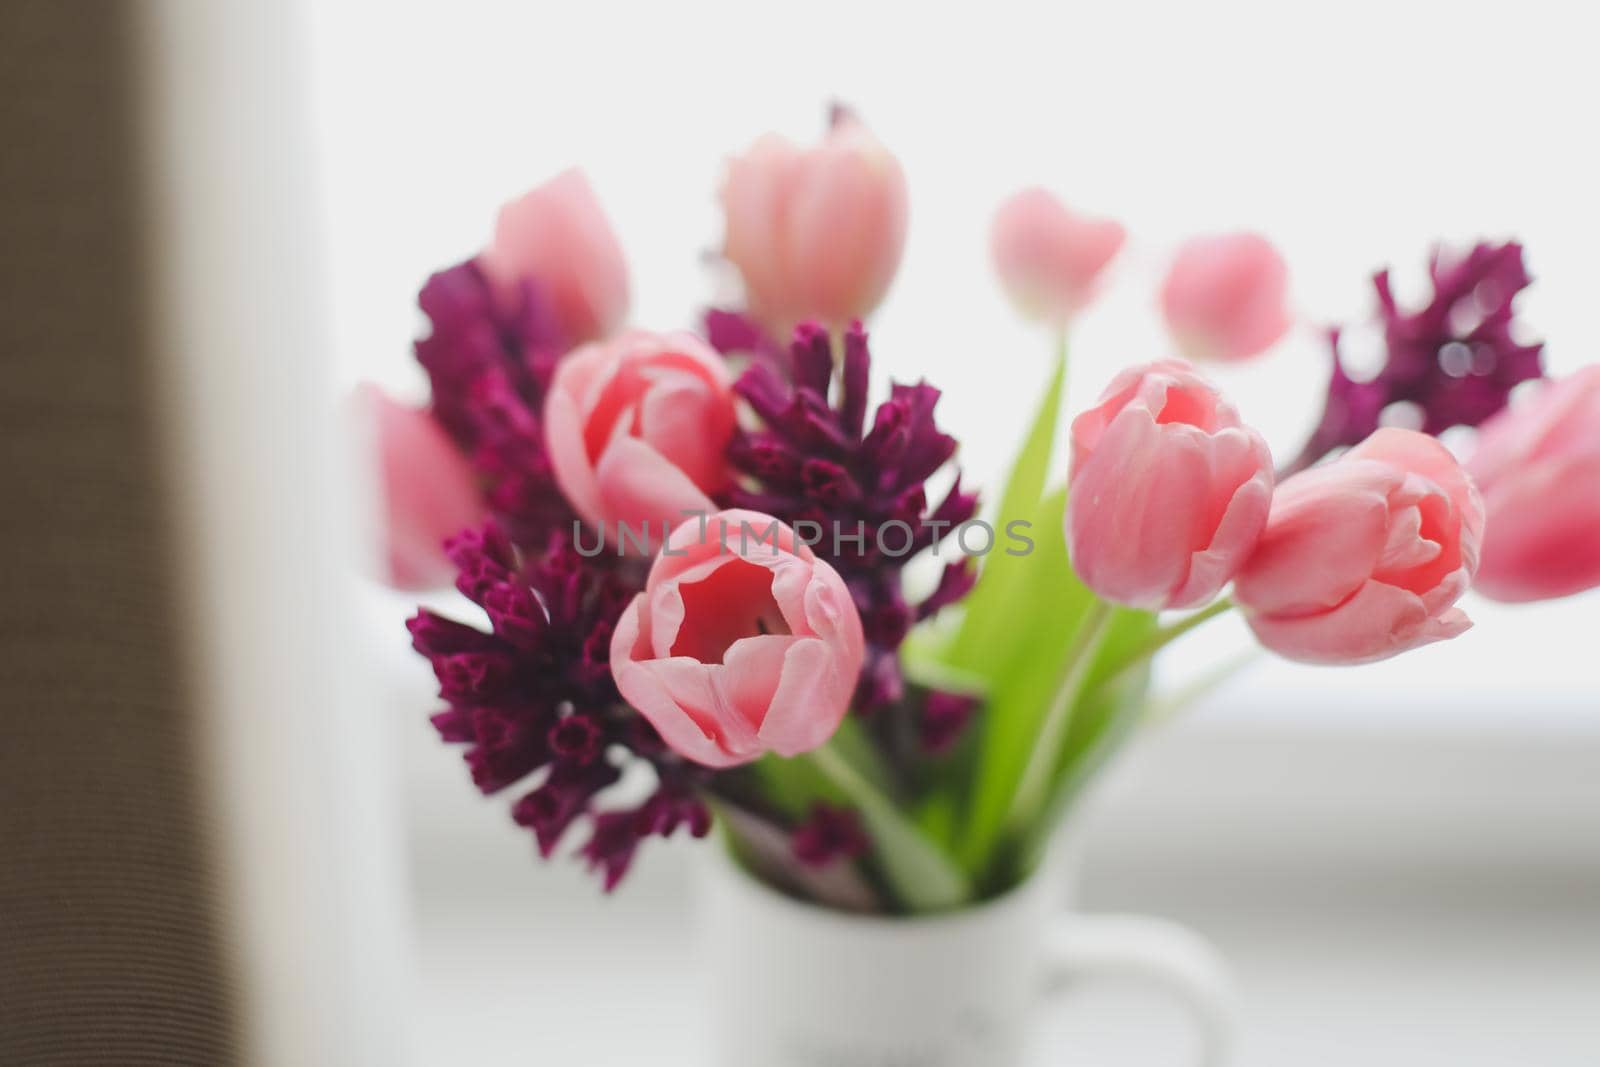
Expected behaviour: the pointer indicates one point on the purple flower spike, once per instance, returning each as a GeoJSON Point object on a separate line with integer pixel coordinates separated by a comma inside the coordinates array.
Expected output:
{"type": "Point", "coordinates": [1457, 358]}
{"type": "Point", "coordinates": [533, 698]}
{"type": "Point", "coordinates": [829, 834]}
{"type": "Point", "coordinates": [734, 334]}
{"type": "Point", "coordinates": [944, 719]}
{"type": "Point", "coordinates": [860, 489]}
{"type": "Point", "coordinates": [489, 371]}
{"type": "Point", "coordinates": [617, 834]}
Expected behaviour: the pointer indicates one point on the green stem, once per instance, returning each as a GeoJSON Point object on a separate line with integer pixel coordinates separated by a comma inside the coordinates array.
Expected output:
{"type": "Point", "coordinates": [921, 876]}
{"type": "Point", "coordinates": [1164, 637]}
{"type": "Point", "coordinates": [849, 781]}
{"type": "Point", "coordinates": [1063, 365]}
{"type": "Point", "coordinates": [1034, 784]}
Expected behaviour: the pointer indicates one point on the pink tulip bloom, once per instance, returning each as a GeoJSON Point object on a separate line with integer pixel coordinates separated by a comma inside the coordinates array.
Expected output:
{"type": "Point", "coordinates": [1050, 259]}
{"type": "Point", "coordinates": [816, 233]}
{"type": "Point", "coordinates": [636, 429]}
{"type": "Point", "coordinates": [429, 490]}
{"type": "Point", "coordinates": [743, 642]}
{"type": "Point", "coordinates": [1168, 489]}
{"type": "Point", "coordinates": [557, 238]}
{"type": "Point", "coordinates": [1226, 297]}
{"type": "Point", "coordinates": [1538, 467]}
{"type": "Point", "coordinates": [1363, 558]}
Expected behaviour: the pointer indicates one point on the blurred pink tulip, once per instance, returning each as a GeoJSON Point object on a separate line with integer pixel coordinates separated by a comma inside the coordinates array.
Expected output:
{"type": "Point", "coordinates": [636, 428]}
{"type": "Point", "coordinates": [743, 642]}
{"type": "Point", "coordinates": [1538, 466]}
{"type": "Point", "coordinates": [1363, 558]}
{"type": "Point", "coordinates": [1168, 489]}
{"type": "Point", "coordinates": [429, 490]}
{"type": "Point", "coordinates": [556, 237]}
{"type": "Point", "coordinates": [1048, 258]}
{"type": "Point", "coordinates": [1226, 297]}
{"type": "Point", "coordinates": [816, 233]}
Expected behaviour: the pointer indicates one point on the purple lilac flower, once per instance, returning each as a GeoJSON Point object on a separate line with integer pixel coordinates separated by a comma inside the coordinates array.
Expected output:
{"type": "Point", "coordinates": [859, 489]}
{"type": "Point", "coordinates": [828, 834]}
{"type": "Point", "coordinates": [1457, 358]}
{"type": "Point", "coordinates": [533, 701]}
{"type": "Point", "coordinates": [489, 371]}
{"type": "Point", "coordinates": [944, 719]}
{"type": "Point", "coordinates": [734, 334]}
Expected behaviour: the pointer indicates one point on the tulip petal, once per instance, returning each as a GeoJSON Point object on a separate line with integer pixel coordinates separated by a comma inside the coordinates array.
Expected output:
{"type": "Point", "coordinates": [1378, 622]}
{"type": "Point", "coordinates": [1325, 534]}
{"type": "Point", "coordinates": [1543, 538]}
{"type": "Point", "coordinates": [680, 419]}
{"type": "Point", "coordinates": [754, 666]}
{"type": "Point", "coordinates": [641, 686]}
{"type": "Point", "coordinates": [813, 695]}
{"type": "Point", "coordinates": [638, 486]}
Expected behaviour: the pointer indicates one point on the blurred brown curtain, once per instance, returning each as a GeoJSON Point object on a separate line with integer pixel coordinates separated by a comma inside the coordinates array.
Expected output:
{"type": "Point", "coordinates": [109, 943]}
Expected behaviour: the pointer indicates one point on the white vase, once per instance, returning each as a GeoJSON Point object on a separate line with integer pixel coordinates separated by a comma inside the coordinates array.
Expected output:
{"type": "Point", "coordinates": [795, 985]}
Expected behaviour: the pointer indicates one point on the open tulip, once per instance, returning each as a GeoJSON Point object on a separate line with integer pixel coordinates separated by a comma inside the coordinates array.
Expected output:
{"type": "Point", "coordinates": [1365, 557]}
{"type": "Point", "coordinates": [815, 233]}
{"type": "Point", "coordinates": [1538, 467]}
{"type": "Point", "coordinates": [556, 238]}
{"type": "Point", "coordinates": [1226, 297]}
{"type": "Point", "coordinates": [636, 429]}
{"type": "Point", "coordinates": [429, 491]}
{"type": "Point", "coordinates": [1049, 258]}
{"type": "Point", "coordinates": [1168, 489]}
{"type": "Point", "coordinates": [743, 642]}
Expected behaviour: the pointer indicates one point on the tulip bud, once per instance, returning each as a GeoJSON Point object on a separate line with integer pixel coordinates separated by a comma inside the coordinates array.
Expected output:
{"type": "Point", "coordinates": [556, 238]}
{"type": "Point", "coordinates": [637, 429]}
{"type": "Point", "coordinates": [1168, 490]}
{"type": "Point", "coordinates": [816, 233]}
{"type": "Point", "coordinates": [1363, 558]}
{"type": "Point", "coordinates": [1050, 259]}
{"type": "Point", "coordinates": [1538, 467]}
{"type": "Point", "coordinates": [1226, 297]}
{"type": "Point", "coordinates": [429, 490]}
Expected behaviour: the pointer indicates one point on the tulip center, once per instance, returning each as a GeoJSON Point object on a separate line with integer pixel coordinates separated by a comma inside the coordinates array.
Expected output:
{"type": "Point", "coordinates": [1189, 407]}
{"type": "Point", "coordinates": [731, 603]}
{"type": "Point", "coordinates": [1435, 554]}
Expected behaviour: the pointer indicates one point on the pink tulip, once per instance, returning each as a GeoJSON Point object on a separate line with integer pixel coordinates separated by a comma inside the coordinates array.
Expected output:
{"type": "Point", "coordinates": [556, 237]}
{"type": "Point", "coordinates": [429, 490]}
{"type": "Point", "coordinates": [1168, 489]}
{"type": "Point", "coordinates": [1226, 297]}
{"type": "Point", "coordinates": [1539, 469]}
{"type": "Point", "coordinates": [636, 429]}
{"type": "Point", "coordinates": [1364, 557]}
{"type": "Point", "coordinates": [743, 642]}
{"type": "Point", "coordinates": [1049, 258]}
{"type": "Point", "coordinates": [816, 233]}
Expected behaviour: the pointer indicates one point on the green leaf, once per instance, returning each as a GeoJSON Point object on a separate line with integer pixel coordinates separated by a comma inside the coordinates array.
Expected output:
{"type": "Point", "coordinates": [936, 818]}
{"type": "Point", "coordinates": [1113, 714]}
{"type": "Point", "coordinates": [794, 785]}
{"type": "Point", "coordinates": [985, 643]}
{"type": "Point", "coordinates": [922, 877]}
{"type": "Point", "coordinates": [1110, 717]}
{"type": "Point", "coordinates": [1031, 640]}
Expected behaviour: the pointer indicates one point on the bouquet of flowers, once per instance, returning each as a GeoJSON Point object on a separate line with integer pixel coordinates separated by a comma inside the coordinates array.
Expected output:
{"type": "Point", "coordinates": [688, 552]}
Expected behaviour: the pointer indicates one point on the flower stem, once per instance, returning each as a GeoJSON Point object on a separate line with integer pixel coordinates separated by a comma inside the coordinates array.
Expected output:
{"type": "Point", "coordinates": [921, 877]}
{"type": "Point", "coordinates": [1063, 351]}
{"type": "Point", "coordinates": [1164, 636]}
{"type": "Point", "coordinates": [1035, 780]}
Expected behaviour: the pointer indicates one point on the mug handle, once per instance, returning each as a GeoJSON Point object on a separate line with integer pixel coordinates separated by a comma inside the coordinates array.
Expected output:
{"type": "Point", "coordinates": [1151, 950]}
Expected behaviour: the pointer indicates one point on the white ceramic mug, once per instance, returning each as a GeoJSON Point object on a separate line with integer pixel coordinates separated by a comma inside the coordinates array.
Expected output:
{"type": "Point", "coordinates": [794, 985]}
